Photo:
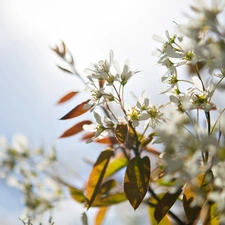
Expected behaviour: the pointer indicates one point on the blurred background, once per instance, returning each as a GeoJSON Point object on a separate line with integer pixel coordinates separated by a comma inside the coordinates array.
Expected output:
{"type": "Point", "coordinates": [31, 83]}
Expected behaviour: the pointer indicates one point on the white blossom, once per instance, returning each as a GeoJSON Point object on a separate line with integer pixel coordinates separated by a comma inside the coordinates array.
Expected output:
{"type": "Point", "coordinates": [124, 75]}
{"type": "Point", "coordinates": [101, 129]}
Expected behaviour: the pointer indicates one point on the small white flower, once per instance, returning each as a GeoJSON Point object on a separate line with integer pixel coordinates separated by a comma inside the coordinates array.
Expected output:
{"type": "Point", "coordinates": [101, 70]}
{"type": "Point", "coordinates": [133, 115]}
{"type": "Point", "coordinates": [123, 75]}
{"type": "Point", "coordinates": [101, 128]}
{"type": "Point", "coordinates": [144, 110]}
{"type": "Point", "coordinates": [19, 143]}
{"type": "Point", "coordinates": [201, 98]}
{"type": "Point", "coordinates": [98, 96]}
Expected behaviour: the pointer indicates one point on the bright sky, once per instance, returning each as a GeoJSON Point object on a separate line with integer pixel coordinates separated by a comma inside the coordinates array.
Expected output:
{"type": "Point", "coordinates": [31, 83]}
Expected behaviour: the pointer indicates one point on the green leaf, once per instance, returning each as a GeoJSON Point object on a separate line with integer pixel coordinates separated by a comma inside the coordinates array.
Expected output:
{"type": "Point", "coordinates": [77, 194]}
{"type": "Point", "coordinates": [164, 204]}
{"type": "Point", "coordinates": [115, 165]}
{"type": "Point", "coordinates": [136, 180]}
{"type": "Point", "coordinates": [121, 132]}
{"type": "Point", "coordinates": [96, 176]}
{"type": "Point", "coordinates": [109, 200]}
{"type": "Point", "coordinates": [84, 218]}
{"type": "Point", "coordinates": [100, 215]}
{"type": "Point", "coordinates": [65, 70]}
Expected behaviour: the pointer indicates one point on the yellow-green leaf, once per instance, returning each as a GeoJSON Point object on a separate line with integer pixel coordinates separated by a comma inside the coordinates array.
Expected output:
{"type": "Point", "coordinates": [84, 218]}
{"type": "Point", "coordinates": [96, 176]}
{"type": "Point", "coordinates": [214, 215]}
{"type": "Point", "coordinates": [116, 164]}
{"type": "Point", "coordinates": [77, 194]}
{"type": "Point", "coordinates": [109, 200]}
{"type": "Point", "coordinates": [65, 70]}
{"type": "Point", "coordinates": [100, 215]}
{"type": "Point", "coordinates": [136, 180]}
{"type": "Point", "coordinates": [164, 204]}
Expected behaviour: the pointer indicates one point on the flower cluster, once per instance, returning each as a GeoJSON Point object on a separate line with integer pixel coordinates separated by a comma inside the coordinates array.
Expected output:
{"type": "Point", "coordinates": [106, 85]}
{"type": "Point", "coordinates": [29, 171]}
{"type": "Point", "coordinates": [193, 145]}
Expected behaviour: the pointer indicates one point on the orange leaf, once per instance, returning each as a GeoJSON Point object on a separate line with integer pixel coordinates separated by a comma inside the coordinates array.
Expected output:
{"type": "Point", "coordinates": [77, 111]}
{"type": "Point", "coordinates": [67, 97]}
{"type": "Point", "coordinates": [100, 215]}
{"type": "Point", "coordinates": [97, 175]}
{"type": "Point", "coordinates": [75, 129]}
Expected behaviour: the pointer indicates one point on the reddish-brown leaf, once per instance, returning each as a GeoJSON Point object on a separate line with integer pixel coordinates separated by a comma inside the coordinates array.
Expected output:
{"type": "Point", "coordinates": [136, 180]}
{"type": "Point", "coordinates": [67, 97]}
{"type": "Point", "coordinates": [106, 140]}
{"type": "Point", "coordinates": [77, 111]}
{"type": "Point", "coordinates": [87, 136]}
{"type": "Point", "coordinates": [101, 83]}
{"type": "Point", "coordinates": [152, 150]}
{"type": "Point", "coordinates": [75, 129]}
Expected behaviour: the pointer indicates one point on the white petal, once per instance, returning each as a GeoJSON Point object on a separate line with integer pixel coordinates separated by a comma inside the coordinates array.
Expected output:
{"type": "Point", "coordinates": [90, 127]}
{"type": "Point", "coordinates": [146, 102]}
{"type": "Point", "coordinates": [111, 55]}
{"type": "Point", "coordinates": [174, 99]}
{"type": "Point", "coordinates": [135, 123]}
{"type": "Point", "coordinates": [98, 118]}
{"type": "Point", "coordinates": [197, 83]}
{"type": "Point", "coordinates": [158, 38]}
{"type": "Point", "coordinates": [117, 66]}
